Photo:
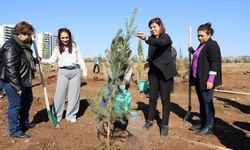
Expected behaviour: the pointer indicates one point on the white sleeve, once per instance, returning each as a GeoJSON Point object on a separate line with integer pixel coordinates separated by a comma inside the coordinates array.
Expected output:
{"type": "Point", "coordinates": [81, 62]}
{"type": "Point", "coordinates": [53, 58]}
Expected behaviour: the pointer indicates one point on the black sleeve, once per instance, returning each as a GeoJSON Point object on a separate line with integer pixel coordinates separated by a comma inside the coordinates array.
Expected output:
{"type": "Point", "coordinates": [162, 41]}
{"type": "Point", "coordinates": [12, 59]}
{"type": "Point", "coordinates": [214, 56]}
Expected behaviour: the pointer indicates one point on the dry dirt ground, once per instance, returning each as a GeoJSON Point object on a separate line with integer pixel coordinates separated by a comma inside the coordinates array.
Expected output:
{"type": "Point", "coordinates": [231, 131]}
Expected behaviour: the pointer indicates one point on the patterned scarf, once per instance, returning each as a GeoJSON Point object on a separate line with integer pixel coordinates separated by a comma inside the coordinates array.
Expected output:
{"type": "Point", "coordinates": [27, 51]}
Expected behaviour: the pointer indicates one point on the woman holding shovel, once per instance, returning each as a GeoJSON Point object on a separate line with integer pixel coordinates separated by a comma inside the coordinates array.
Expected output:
{"type": "Point", "coordinates": [70, 61]}
{"type": "Point", "coordinates": [205, 75]}
{"type": "Point", "coordinates": [161, 72]}
{"type": "Point", "coordinates": [17, 68]}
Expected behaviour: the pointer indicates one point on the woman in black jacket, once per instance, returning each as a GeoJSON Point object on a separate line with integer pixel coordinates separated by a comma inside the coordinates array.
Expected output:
{"type": "Point", "coordinates": [161, 72]}
{"type": "Point", "coordinates": [205, 75]}
{"type": "Point", "coordinates": [16, 73]}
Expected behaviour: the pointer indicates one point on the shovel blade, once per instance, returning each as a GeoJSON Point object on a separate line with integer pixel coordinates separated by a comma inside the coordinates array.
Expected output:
{"type": "Point", "coordinates": [187, 114]}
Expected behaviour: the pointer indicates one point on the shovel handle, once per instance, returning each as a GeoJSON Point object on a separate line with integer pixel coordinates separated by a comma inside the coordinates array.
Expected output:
{"type": "Point", "coordinates": [189, 72]}
{"type": "Point", "coordinates": [41, 75]}
{"type": "Point", "coordinates": [190, 65]}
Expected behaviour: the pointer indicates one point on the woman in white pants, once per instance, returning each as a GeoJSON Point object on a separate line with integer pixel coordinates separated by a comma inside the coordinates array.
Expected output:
{"type": "Point", "coordinates": [70, 62]}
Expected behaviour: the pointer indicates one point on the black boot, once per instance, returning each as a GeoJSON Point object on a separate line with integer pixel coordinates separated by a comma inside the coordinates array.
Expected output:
{"type": "Point", "coordinates": [28, 126]}
{"type": "Point", "coordinates": [148, 125]}
{"type": "Point", "coordinates": [196, 127]}
{"type": "Point", "coordinates": [205, 131]}
{"type": "Point", "coordinates": [164, 131]}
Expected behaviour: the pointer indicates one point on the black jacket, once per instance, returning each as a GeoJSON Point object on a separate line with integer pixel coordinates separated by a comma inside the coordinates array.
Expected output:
{"type": "Point", "coordinates": [209, 60]}
{"type": "Point", "coordinates": [159, 55]}
{"type": "Point", "coordinates": [14, 66]}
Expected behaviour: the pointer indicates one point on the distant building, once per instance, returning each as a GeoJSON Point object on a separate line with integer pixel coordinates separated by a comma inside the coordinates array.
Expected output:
{"type": "Point", "coordinates": [5, 33]}
{"type": "Point", "coordinates": [46, 42]}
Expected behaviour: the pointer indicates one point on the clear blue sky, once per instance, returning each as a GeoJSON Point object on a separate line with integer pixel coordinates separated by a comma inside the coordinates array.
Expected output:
{"type": "Point", "coordinates": [94, 23]}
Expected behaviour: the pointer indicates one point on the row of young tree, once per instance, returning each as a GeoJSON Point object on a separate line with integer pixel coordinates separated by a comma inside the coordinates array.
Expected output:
{"type": "Point", "coordinates": [236, 59]}
{"type": "Point", "coordinates": [182, 62]}
{"type": "Point", "coordinates": [140, 57]}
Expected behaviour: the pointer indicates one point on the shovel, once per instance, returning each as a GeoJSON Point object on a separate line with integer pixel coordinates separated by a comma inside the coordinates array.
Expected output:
{"type": "Point", "coordinates": [189, 74]}
{"type": "Point", "coordinates": [52, 118]}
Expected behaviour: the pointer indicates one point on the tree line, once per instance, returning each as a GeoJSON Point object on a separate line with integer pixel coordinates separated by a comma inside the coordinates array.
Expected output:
{"type": "Point", "coordinates": [236, 59]}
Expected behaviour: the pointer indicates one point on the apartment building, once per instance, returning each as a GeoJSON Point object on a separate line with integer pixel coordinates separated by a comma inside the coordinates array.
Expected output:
{"type": "Point", "coordinates": [5, 33]}
{"type": "Point", "coordinates": [45, 43]}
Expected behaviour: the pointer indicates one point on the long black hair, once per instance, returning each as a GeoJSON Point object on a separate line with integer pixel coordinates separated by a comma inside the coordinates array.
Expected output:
{"type": "Point", "coordinates": [60, 43]}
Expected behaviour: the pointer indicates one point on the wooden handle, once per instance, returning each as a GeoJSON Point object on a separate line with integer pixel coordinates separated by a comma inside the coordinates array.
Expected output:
{"type": "Point", "coordinates": [232, 92]}
{"type": "Point", "coordinates": [41, 75]}
{"type": "Point", "coordinates": [189, 67]}
{"type": "Point", "coordinates": [190, 36]}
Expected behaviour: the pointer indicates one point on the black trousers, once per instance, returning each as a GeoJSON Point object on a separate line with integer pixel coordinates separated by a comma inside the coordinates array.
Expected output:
{"type": "Point", "coordinates": [158, 84]}
{"type": "Point", "coordinates": [27, 99]}
{"type": "Point", "coordinates": [98, 68]}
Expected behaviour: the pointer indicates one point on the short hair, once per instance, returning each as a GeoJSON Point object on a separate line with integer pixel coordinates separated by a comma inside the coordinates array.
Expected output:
{"type": "Point", "coordinates": [159, 22]}
{"type": "Point", "coordinates": [23, 28]}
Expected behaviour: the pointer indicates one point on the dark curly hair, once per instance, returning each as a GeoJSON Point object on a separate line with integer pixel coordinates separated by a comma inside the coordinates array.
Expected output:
{"type": "Point", "coordinates": [23, 28]}
{"type": "Point", "coordinates": [207, 27]}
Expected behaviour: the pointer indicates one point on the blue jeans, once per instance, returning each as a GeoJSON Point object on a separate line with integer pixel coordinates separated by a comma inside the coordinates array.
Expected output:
{"type": "Point", "coordinates": [104, 98]}
{"type": "Point", "coordinates": [18, 107]}
{"type": "Point", "coordinates": [207, 111]}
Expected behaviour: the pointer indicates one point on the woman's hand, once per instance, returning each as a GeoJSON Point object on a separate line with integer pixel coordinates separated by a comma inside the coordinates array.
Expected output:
{"type": "Point", "coordinates": [38, 60]}
{"type": "Point", "coordinates": [19, 93]}
{"type": "Point", "coordinates": [85, 78]}
{"type": "Point", "coordinates": [191, 49]}
{"type": "Point", "coordinates": [209, 85]}
{"type": "Point", "coordinates": [146, 65]}
{"type": "Point", "coordinates": [142, 36]}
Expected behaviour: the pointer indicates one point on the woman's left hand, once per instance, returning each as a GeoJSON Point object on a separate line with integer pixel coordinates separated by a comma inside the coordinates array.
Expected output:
{"type": "Point", "coordinates": [142, 36]}
{"type": "Point", "coordinates": [85, 78]}
{"type": "Point", "coordinates": [209, 85]}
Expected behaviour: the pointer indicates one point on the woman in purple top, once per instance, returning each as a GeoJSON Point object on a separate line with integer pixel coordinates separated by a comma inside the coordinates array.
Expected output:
{"type": "Point", "coordinates": [205, 75]}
